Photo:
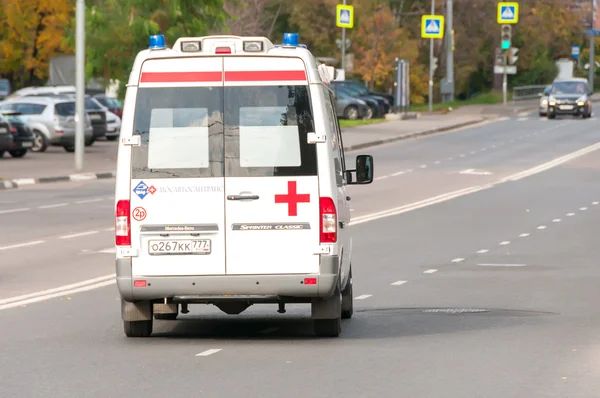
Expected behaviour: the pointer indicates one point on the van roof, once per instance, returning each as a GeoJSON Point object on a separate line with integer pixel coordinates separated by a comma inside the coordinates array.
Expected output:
{"type": "Point", "coordinates": [238, 46]}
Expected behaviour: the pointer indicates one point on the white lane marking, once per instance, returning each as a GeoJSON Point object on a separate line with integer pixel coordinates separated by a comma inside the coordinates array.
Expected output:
{"type": "Point", "coordinates": [524, 235]}
{"type": "Point", "coordinates": [570, 214]}
{"type": "Point", "coordinates": [475, 172]}
{"type": "Point", "coordinates": [553, 163]}
{"type": "Point", "coordinates": [423, 166]}
{"type": "Point", "coordinates": [501, 265]}
{"type": "Point", "coordinates": [595, 203]}
{"type": "Point", "coordinates": [437, 162]}
{"type": "Point", "coordinates": [493, 146]}
{"type": "Point", "coordinates": [483, 149]}
{"type": "Point", "coordinates": [398, 174]}
{"type": "Point", "coordinates": [53, 206]}
{"type": "Point", "coordinates": [83, 177]}
{"type": "Point", "coordinates": [58, 294]}
{"type": "Point", "coordinates": [208, 352]}
{"type": "Point", "coordinates": [78, 235]}
{"type": "Point", "coordinates": [557, 220]}
{"type": "Point", "coordinates": [473, 152]}
{"type": "Point", "coordinates": [506, 242]}
{"type": "Point", "coordinates": [24, 181]}
{"type": "Point", "coordinates": [450, 158]}
{"type": "Point", "coordinates": [430, 271]}
{"type": "Point", "coordinates": [110, 250]}
{"type": "Point", "coordinates": [398, 283]}
{"type": "Point", "coordinates": [113, 228]}
{"type": "Point", "coordinates": [583, 208]}
{"type": "Point", "coordinates": [458, 260]}
{"type": "Point", "coordinates": [482, 251]}
{"type": "Point", "coordinates": [541, 227]}
{"type": "Point", "coordinates": [364, 296]}
{"type": "Point", "coordinates": [269, 330]}
{"type": "Point", "coordinates": [81, 202]}
{"type": "Point", "coordinates": [462, 156]}
{"type": "Point", "coordinates": [409, 170]}
{"type": "Point", "coordinates": [18, 245]}
{"type": "Point", "coordinates": [381, 178]}
{"type": "Point", "coordinates": [14, 210]}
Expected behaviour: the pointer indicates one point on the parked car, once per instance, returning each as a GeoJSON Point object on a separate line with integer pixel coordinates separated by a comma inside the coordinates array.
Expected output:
{"type": "Point", "coordinates": [52, 120]}
{"type": "Point", "coordinates": [111, 103]}
{"type": "Point", "coordinates": [113, 125]}
{"type": "Point", "coordinates": [5, 88]}
{"type": "Point", "coordinates": [23, 137]}
{"type": "Point", "coordinates": [544, 101]}
{"type": "Point", "coordinates": [377, 104]}
{"type": "Point", "coordinates": [363, 90]}
{"type": "Point", "coordinates": [42, 90]}
{"type": "Point", "coordinates": [374, 105]}
{"type": "Point", "coordinates": [6, 138]}
{"type": "Point", "coordinates": [349, 107]}
{"type": "Point", "coordinates": [570, 97]}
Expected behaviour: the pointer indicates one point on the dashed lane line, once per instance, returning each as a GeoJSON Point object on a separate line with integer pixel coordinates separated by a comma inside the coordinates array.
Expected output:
{"type": "Point", "coordinates": [78, 235]}
{"type": "Point", "coordinates": [458, 260]}
{"type": "Point", "coordinates": [208, 352]}
{"type": "Point", "coordinates": [504, 243]}
{"type": "Point", "coordinates": [53, 206]}
{"type": "Point", "coordinates": [524, 235]}
{"type": "Point", "coordinates": [362, 297]}
{"type": "Point", "coordinates": [430, 271]}
{"type": "Point", "coordinates": [19, 245]}
{"type": "Point", "coordinates": [482, 251]}
{"type": "Point", "coordinates": [15, 210]}
{"type": "Point", "coordinates": [541, 227]}
{"type": "Point", "coordinates": [398, 283]}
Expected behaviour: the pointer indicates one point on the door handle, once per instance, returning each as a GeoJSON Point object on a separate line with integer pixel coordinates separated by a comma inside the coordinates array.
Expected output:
{"type": "Point", "coordinates": [242, 197]}
{"type": "Point", "coordinates": [342, 224]}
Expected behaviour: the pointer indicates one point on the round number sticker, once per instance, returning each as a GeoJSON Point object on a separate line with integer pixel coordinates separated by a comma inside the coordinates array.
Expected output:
{"type": "Point", "coordinates": [139, 213]}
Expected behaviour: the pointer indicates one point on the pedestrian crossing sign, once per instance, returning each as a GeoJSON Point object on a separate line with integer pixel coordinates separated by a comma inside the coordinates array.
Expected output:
{"type": "Point", "coordinates": [432, 26]}
{"type": "Point", "coordinates": [508, 12]}
{"type": "Point", "coordinates": [344, 16]}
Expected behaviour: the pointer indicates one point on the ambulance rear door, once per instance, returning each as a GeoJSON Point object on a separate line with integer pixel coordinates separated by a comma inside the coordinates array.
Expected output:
{"type": "Point", "coordinates": [177, 180]}
{"type": "Point", "coordinates": [271, 180]}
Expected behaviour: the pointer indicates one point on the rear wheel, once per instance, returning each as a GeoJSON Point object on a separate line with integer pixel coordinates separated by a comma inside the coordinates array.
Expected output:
{"type": "Point", "coordinates": [112, 137]}
{"type": "Point", "coordinates": [351, 113]}
{"type": "Point", "coordinates": [70, 148]}
{"type": "Point", "coordinates": [348, 299]}
{"type": "Point", "coordinates": [331, 327]}
{"type": "Point", "coordinates": [18, 153]}
{"type": "Point", "coordinates": [551, 116]}
{"type": "Point", "coordinates": [138, 328]}
{"type": "Point", "coordinates": [40, 142]}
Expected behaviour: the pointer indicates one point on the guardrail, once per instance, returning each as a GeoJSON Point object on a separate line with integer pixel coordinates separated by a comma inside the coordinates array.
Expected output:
{"type": "Point", "coordinates": [527, 92]}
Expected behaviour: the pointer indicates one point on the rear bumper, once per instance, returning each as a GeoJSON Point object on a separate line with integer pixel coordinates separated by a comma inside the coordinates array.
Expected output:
{"type": "Point", "coordinates": [253, 288]}
{"type": "Point", "coordinates": [6, 142]}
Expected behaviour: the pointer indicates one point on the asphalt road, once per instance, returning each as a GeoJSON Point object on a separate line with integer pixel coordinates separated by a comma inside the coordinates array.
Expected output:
{"type": "Point", "coordinates": [488, 292]}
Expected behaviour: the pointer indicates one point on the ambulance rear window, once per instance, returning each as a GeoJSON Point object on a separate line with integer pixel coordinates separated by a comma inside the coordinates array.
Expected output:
{"type": "Point", "coordinates": [181, 131]}
{"type": "Point", "coordinates": [266, 131]}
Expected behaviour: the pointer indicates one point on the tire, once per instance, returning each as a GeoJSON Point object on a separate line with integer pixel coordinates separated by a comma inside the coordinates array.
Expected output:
{"type": "Point", "coordinates": [551, 116]}
{"type": "Point", "coordinates": [137, 328]}
{"type": "Point", "coordinates": [70, 148]}
{"type": "Point", "coordinates": [369, 114]}
{"type": "Point", "coordinates": [18, 153]}
{"type": "Point", "coordinates": [112, 138]}
{"type": "Point", "coordinates": [166, 317]}
{"type": "Point", "coordinates": [351, 112]}
{"type": "Point", "coordinates": [348, 298]}
{"type": "Point", "coordinates": [330, 327]}
{"type": "Point", "coordinates": [40, 143]}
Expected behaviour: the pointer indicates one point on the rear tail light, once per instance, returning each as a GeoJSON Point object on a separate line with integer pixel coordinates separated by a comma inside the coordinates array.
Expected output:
{"type": "Point", "coordinates": [13, 130]}
{"type": "Point", "coordinates": [123, 224]}
{"type": "Point", "coordinates": [328, 220]}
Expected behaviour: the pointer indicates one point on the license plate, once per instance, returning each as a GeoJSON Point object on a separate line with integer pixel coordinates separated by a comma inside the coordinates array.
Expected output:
{"type": "Point", "coordinates": [27, 144]}
{"type": "Point", "coordinates": [95, 117]}
{"type": "Point", "coordinates": [566, 107]}
{"type": "Point", "coordinates": [179, 247]}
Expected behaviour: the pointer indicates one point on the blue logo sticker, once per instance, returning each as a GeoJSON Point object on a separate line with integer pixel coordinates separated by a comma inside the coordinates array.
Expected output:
{"type": "Point", "coordinates": [141, 190]}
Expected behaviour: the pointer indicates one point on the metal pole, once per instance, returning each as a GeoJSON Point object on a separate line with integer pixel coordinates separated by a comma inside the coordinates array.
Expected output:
{"type": "Point", "coordinates": [504, 78]}
{"type": "Point", "coordinates": [449, 50]}
{"type": "Point", "coordinates": [344, 46]}
{"type": "Point", "coordinates": [592, 63]}
{"type": "Point", "coordinates": [80, 84]}
{"type": "Point", "coordinates": [431, 64]}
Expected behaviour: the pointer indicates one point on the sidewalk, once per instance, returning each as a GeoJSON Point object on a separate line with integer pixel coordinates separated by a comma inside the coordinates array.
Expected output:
{"type": "Point", "coordinates": [395, 130]}
{"type": "Point", "coordinates": [56, 165]}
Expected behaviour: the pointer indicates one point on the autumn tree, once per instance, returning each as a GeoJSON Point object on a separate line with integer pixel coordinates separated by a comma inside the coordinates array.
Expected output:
{"type": "Point", "coordinates": [376, 43]}
{"type": "Point", "coordinates": [31, 32]}
{"type": "Point", "coordinates": [247, 18]}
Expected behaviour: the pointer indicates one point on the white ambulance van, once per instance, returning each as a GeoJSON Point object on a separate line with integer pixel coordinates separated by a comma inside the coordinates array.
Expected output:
{"type": "Point", "coordinates": [231, 183]}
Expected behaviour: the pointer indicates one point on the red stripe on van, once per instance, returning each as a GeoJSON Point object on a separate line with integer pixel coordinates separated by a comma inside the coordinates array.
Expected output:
{"type": "Point", "coordinates": [255, 76]}
{"type": "Point", "coordinates": [181, 77]}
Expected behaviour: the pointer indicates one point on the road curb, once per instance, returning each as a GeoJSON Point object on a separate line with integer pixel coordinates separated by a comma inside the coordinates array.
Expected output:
{"type": "Point", "coordinates": [20, 182]}
{"type": "Point", "coordinates": [414, 135]}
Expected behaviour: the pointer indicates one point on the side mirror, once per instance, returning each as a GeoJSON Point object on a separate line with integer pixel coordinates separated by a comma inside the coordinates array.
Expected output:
{"type": "Point", "coordinates": [364, 170]}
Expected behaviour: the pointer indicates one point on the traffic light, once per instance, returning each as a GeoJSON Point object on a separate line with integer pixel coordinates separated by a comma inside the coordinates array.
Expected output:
{"type": "Point", "coordinates": [500, 55]}
{"type": "Point", "coordinates": [506, 36]}
{"type": "Point", "coordinates": [512, 55]}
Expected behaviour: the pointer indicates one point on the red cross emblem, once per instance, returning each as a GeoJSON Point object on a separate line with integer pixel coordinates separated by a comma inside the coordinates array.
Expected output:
{"type": "Point", "coordinates": [292, 198]}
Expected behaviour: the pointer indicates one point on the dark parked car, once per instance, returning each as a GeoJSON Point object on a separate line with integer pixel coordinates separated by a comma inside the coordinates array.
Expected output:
{"type": "Point", "coordinates": [376, 108]}
{"type": "Point", "coordinates": [6, 138]}
{"type": "Point", "coordinates": [4, 88]}
{"type": "Point", "coordinates": [351, 108]}
{"type": "Point", "coordinates": [23, 137]}
{"type": "Point", "coordinates": [363, 90]}
{"type": "Point", "coordinates": [111, 103]}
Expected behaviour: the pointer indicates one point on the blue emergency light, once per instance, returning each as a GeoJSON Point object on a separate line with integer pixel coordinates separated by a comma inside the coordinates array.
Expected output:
{"type": "Point", "coordinates": [157, 42]}
{"type": "Point", "coordinates": [290, 39]}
